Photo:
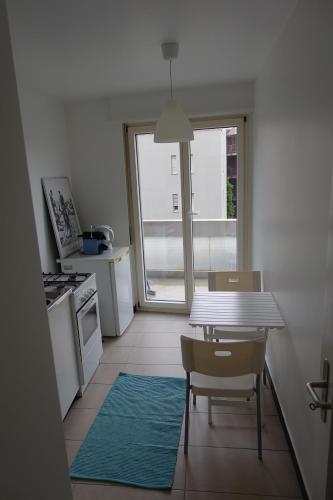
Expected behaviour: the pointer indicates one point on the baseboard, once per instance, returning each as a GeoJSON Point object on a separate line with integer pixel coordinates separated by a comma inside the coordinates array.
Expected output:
{"type": "Point", "coordinates": [286, 433]}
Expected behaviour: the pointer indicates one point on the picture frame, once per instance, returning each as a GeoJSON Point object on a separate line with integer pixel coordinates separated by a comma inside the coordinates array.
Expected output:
{"type": "Point", "coordinates": [63, 214]}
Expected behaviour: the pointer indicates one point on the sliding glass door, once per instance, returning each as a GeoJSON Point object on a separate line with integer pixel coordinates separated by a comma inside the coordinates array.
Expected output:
{"type": "Point", "coordinates": [187, 202]}
{"type": "Point", "coordinates": [160, 221]}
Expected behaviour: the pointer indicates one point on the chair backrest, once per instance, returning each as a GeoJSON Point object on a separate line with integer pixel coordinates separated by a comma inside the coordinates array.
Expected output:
{"type": "Point", "coordinates": [234, 281]}
{"type": "Point", "coordinates": [223, 359]}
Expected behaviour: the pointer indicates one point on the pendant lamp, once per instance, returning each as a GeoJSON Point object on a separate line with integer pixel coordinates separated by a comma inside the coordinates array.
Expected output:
{"type": "Point", "coordinates": [172, 125]}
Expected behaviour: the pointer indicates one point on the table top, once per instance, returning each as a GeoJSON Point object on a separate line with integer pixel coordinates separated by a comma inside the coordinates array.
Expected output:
{"type": "Point", "coordinates": [235, 309]}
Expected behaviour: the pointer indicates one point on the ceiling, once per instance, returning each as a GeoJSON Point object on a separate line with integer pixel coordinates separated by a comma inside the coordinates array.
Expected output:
{"type": "Point", "coordinates": [83, 48]}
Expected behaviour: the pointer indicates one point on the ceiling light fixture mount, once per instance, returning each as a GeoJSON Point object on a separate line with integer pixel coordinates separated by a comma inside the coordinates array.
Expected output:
{"type": "Point", "coordinates": [173, 125]}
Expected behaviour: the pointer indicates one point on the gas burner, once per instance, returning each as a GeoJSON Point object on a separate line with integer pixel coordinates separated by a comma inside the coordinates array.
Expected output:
{"type": "Point", "coordinates": [82, 286]}
{"type": "Point", "coordinates": [78, 278]}
{"type": "Point", "coordinates": [72, 279]}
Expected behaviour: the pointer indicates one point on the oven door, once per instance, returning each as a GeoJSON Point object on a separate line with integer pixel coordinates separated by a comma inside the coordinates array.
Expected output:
{"type": "Point", "coordinates": [88, 324]}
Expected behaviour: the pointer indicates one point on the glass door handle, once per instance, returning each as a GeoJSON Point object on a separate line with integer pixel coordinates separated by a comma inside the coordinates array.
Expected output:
{"type": "Point", "coordinates": [190, 213]}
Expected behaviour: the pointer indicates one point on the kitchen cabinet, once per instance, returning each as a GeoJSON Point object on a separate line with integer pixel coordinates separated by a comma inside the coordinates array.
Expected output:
{"type": "Point", "coordinates": [64, 350]}
{"type": "Point", "coordinates": [114, 285]}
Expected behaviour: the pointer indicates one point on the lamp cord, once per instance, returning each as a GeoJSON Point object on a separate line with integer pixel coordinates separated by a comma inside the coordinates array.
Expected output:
{"type": "Point", "coordinates": [171, 89]}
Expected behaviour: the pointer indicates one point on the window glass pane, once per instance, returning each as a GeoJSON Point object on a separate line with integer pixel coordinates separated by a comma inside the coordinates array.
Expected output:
{"type": "Point", "coordinates": [161, 220]}
{"type": "Point", "coordinates": [214, 202]}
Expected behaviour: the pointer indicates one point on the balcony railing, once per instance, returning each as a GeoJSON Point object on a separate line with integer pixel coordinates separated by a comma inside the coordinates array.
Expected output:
{"type": "Point", "coordinates": [214, 246]}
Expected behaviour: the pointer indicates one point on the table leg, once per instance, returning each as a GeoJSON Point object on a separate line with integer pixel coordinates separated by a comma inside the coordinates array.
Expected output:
{"type": "Point", "coordinates": [264, 370]}
{"type": "Point", "coordinates": [208, 332]}
{"type": "Point", "coordinates": [263, 385]}
{"type": "Point", "coordinates": [205, 332]}
{"type": "Point", "coordinates": [262, 388]}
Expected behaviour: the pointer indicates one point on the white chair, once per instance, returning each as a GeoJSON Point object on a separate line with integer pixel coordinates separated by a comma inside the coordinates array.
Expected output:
{"type": "Point", "coordinates": [234, 281]}
{"type": "Point", "coordinates": [228, 371]}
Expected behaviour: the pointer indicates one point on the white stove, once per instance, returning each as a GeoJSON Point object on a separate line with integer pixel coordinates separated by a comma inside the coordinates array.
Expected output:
{"type": "Point", "coordinates": [83, 286]}
{"type": "Point", "coordinates": [86, 320]}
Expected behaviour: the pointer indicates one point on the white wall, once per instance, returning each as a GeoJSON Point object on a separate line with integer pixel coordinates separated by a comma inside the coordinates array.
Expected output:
{"type": "Point", "coordinates": [291, 193]}
{"type": "Point", "coordinates": [45, 136]}
{"type": "Point", "coordinates": [97, 150]}
{"type": "Point", "coordinates": [98, 168]}
{"type": "Point", "coordinates": [33, 461]}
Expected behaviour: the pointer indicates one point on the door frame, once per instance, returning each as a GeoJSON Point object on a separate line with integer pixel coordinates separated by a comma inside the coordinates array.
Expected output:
{"type": "Point", "coordinates": [133, 187]}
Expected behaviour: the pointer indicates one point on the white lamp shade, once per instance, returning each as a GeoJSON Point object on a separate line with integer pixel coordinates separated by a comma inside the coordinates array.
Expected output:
{"type": "Point", "coordinates": [173, 125]}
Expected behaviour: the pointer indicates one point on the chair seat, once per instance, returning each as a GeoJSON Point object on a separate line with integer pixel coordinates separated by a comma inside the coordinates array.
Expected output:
{"type": "Point", "coordinates": [234, 387]}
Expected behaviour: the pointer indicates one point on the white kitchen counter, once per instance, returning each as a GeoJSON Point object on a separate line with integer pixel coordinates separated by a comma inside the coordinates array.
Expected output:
{"type": "Point", "coordinates": [108, 255]}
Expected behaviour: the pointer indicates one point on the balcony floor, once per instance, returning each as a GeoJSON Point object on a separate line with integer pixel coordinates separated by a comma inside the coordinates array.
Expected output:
{"type": "Point", "coordinates": [172, 289]}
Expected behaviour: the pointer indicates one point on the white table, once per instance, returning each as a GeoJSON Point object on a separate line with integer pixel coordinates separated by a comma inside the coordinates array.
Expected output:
{"type": "Point", "coordinates": [235, 309]}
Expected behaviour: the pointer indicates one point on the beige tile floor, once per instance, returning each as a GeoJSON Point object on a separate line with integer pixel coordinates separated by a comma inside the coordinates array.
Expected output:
{"type": "Point", "coordinates": [222, 461]}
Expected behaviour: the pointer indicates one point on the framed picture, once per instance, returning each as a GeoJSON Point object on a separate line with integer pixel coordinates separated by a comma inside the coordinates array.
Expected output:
{"type": "Point", "coordinates": [63, 215]}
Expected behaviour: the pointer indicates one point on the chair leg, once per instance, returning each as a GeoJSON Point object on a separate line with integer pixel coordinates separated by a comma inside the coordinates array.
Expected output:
{"type": "Point", "coordinates": [258, 394]}
{"type": "Point", "coordinates": [194, 399]}
{"type": "Point", "coordinates": [187, 411]}
{"type": "Point", "coordinates": [262, 404]}
{"type": "Point", "coordinates": [210, 421]}
{"type": "Point", "coordinates": [264, 377]}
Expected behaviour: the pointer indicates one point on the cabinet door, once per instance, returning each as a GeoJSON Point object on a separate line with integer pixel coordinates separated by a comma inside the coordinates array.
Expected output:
{"type": "Point", "coordinates": [64, 353]}
{"type": "Point", "coordinates": [124, 300]}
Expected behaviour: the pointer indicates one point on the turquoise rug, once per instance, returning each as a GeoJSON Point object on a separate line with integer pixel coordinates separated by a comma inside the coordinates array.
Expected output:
{"type": "Point", "coordinates": [135, 436]}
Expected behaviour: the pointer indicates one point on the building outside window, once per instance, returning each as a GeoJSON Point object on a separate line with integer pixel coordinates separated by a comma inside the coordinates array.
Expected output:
{"type": "Point", "coordinates": [175, 205]}
{"type": "Point", "coordinates": [174, 169]}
